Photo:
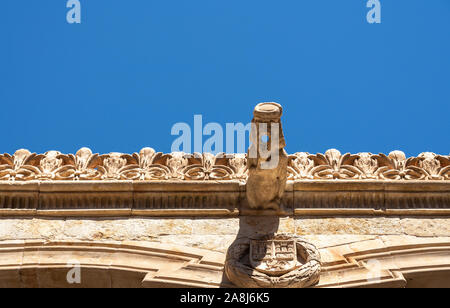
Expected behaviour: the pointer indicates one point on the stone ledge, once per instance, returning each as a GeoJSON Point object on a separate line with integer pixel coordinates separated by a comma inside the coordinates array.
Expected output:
{"type": "Point", "coordinates": [224, 198]}
{"type": "Point", "coordinates": [216, 234]}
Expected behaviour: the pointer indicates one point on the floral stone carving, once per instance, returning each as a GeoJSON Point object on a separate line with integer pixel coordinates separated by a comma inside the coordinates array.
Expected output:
{"type": "Point", "coordinates": [273, 261]}
{"type": "Point", "coordinates": [149, 165]}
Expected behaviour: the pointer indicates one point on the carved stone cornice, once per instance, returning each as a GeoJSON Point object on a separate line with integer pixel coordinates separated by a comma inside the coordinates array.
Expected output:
{"type": "Point", "coordinates": [149, 165]}
{"type": "Point", "coordinates": [227, 198]}
{"type": "Point", "coordinates": [368, 166]}
{"type": "Point", "coordinates": [176, 184]}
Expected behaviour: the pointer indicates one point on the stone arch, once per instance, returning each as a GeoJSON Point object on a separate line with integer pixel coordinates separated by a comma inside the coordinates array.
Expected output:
{"type": "Point", "coordinates": [107, 264]}
{"type": "Point", "coordinates": [389, 261]}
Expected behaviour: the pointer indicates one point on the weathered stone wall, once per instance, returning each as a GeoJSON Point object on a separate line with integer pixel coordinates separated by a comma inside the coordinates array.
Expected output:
{"type": "Point", "coordinates": [217, 234]}
{"type": "Point", "coordinates": [180, 252]}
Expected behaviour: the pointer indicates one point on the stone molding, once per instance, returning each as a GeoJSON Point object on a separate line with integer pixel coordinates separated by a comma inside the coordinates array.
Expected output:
{"type": "Point", "coordinates": [35, 263]}
{"type": "Point", "coordinates": [149, 165]}
{"type": "Point", "coordinates": [225, 198]}
{"type": "Point", "coordinates": [157, 184]}
{"type": "Point", "coordinates": [124, 198]}
{"type": "Point", "coordinates": [391, 261]}
{"type": "Point", "coordinates": [400, 261]}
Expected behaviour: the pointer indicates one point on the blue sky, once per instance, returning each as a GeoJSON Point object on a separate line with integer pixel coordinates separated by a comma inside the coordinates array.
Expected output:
{"type": "Point", "coordinates": [119, 80]}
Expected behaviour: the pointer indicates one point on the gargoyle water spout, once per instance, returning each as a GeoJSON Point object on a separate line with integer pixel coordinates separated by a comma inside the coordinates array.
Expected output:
{"type": "Point", "coordinates": [267, 159]}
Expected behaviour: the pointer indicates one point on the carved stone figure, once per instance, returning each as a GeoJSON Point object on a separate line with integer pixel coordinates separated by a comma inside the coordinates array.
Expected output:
{"type": "Point", "coordinates": [300, 166]}
{"type": "Point", "coordinates": [176, 163]}
{"type": "Point", "coordinates": [239, 164]}
{"type": "Point", "coordinates": [113, 164]}
{"type": "Point", "coordinates": [430, 164]}
{"type": "Point", "coordinates": [50, 165]}
{"type": "Point", "coordinates": [273, 261]}
{"type": "Point", "coordinates": [367, 164]}
{"type": "Point", "coordinates": [267, 160]}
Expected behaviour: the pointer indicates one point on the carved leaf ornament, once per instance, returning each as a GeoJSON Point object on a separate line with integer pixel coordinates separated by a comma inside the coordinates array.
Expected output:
{"type": "Point", "coordinates": [149, 165]}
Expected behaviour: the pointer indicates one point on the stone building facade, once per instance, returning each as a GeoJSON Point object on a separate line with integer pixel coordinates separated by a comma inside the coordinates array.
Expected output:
{"type": "Point", "coordinates": [167, 220]}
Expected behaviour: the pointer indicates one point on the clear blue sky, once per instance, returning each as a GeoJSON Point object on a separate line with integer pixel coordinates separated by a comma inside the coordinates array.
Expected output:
{"type": "Point", "coordinates": [119, 80]}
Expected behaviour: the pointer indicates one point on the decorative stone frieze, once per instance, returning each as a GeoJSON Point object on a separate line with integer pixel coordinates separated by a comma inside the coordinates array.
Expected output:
{"type": "Point", "coordinates": [368, 166]}
{"type": "Point", "coordinates": [149, 165]}
{"type": "Point", "coordinates": [157, 219]}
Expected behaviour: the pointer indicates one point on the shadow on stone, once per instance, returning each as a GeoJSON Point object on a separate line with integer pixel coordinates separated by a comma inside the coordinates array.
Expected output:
{"type": "Point", "coordinates": [250, 227]}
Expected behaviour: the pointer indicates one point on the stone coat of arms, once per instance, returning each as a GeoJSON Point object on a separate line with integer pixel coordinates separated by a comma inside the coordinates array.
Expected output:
{"type": "Point", "coordinates": [273, 261]}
